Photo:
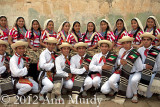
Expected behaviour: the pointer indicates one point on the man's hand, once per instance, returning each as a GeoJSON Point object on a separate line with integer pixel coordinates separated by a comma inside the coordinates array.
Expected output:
{"type": "Point", "coordinates": [27, 66]}
{"type": "Point", "coordinates": [7, 66]}
{"type": "Point", "coordinates": [106, 67]}
{"type": "Point", "coordinates": [148, 66]}
{"type": "Point", "coordinates": [69, 76]}
{"type": "Point", "coordinates": [123, 61]}
{"type": "Point", "coordinates": [86, 67]}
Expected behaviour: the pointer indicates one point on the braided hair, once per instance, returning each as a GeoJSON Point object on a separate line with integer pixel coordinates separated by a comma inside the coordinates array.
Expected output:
{"type": "Point", "coordinates": [74, 29]}
{"type": "Point", "coordinates": [16, 25]}
{"type": "Point", "coordinates": [123, 29]}
{"type": "Point", "coordinates": [138, 29]}
{"type": "Point", "coordinates": [39, 29]}
{"type": "Point", "coordinates": [154, 28]}
{"type": "Point", "coordinates": [87, 32]}
{"type": "Point", "coordinates": [107, 29]}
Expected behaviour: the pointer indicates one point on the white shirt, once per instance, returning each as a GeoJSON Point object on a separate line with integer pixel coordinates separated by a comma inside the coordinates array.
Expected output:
{"type": "Point", "coordinates": [95, 66]}
{"type": "Point", "coordinates": [137, 66]}
{"type": "Point", "coordinates": [60, 65]}
{"type": "Point", "coordinates": [157, 63]}
{"type": "Point", "coordinates": [2, 67]}
{"type": "Point", "coordinates": [75, 65]}
{"type": "Point", "coordinates": [17, 70]}
{"type": "Point", "coordinates": [45, 60]}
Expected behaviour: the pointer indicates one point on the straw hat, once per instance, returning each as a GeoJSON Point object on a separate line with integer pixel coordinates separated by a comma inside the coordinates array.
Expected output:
{"type": "Point", "coordinates": [125, 39]}
{"type": "Point", "coordinates": [158, 36]}
{"type": "Point", "coordinates": [79, 44]}
{"type": "Point", "coordinates": [147, 34]}
{"type": "Point", "coordinates": [65, 44]}
{"type": "Point", "coordinates": [19, 43]}
{"type": "Point", "coordinates": [4, 43]}
{"type": "Point", "coordinates": [105, 41]}
{"type": "Point", "coordinates": [51, 40]}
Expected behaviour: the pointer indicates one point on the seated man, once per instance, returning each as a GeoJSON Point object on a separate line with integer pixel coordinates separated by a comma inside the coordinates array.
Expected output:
{"type": "Point", "coordinates": [79, 67]}
{"type": "Point", "coordinates": [63, 68]}
{"type": "Point", "coordinates": [47, 67]}
{"type": "Point", "coordinates": [6, 86]}
{"type": "Point", "coordinates": [102, 65]}
{"type": "Point", "coordinates": [19, 65]}
{"type": "Point", "coordinates": [151, 65]}
{"type": "Point", "coordinates": [130, 65]}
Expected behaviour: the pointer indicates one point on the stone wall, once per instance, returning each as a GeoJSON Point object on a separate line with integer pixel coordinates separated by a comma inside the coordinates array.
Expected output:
{"type": "Point", "coordinates": [81, 10]}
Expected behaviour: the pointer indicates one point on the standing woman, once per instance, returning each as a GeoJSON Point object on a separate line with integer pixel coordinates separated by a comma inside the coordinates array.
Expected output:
{"type": "Point", "coordinates": [63, 32]}
{"type": "Point", "coordinates": [120, 30]}
{"type": "Point", "coordinates": [106, 31]}
{"type": "Point", "coordinates": [152, 25]}
{"type": "Point", "coordinates": [91, 37]}
{"type": "Point", "coordinates": [137, 30]}
{"type": "Point", "coordinates": [4, 31]}
{"type": "Point", "coordinates": [18, 31]}
{"type": "Point", "coordinates": [34, 50]}
{"type": "Point", "coordinates": [48, 32]}
{"type": "Point", "coordinates": [75, 34]}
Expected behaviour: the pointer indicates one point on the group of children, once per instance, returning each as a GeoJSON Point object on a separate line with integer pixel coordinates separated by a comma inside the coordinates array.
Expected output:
{"type": "Point", "coordinates": [114, 62]}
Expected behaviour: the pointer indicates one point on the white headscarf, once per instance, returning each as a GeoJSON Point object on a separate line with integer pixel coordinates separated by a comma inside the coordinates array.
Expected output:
{"type": "Point", "coordinates": [46, 22]}
{"type": "Point", "coordinates": [61, 26]}
{"type": "Point", "coordinates": [156, 21]}
{"type": "Point", "coordinates": [109, 25]}
{"type": "Point", "coordinates": [139, 23]}
{"type": "Point", "coordinates": [70, 30]}
{"type": "Point", "coordinates": [125, 26]}
{"type": "Point", "coordinates": [16, 20]}
{"type": "Point", "coordinates": [30, 26]}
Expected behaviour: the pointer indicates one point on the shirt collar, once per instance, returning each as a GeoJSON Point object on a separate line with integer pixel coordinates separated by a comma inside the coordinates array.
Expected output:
{"type": "Point", "coordinates": [148, 47]}
{"type": "Point", "coordinates": [83, 55]}
{"type": "Point", "coordinates": [3, 54]}
{"type": "Point", "coordinates": [49, 51]}
{"type": "Point", "coordinates": [105, 54]}
{"type": "Point", "coordinates": [63, 56]}
{"type": "Point", "coordinates": [17, 54]}
{"type": "Point", "coordinates": [129, 50]}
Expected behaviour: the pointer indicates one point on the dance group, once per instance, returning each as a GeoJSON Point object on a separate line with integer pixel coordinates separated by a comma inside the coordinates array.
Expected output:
{"type": "Point", "coordinates": [114, 62]}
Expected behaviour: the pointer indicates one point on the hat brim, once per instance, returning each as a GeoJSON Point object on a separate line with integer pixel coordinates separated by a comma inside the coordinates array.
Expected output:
{"type": "Point", "coordinates": [148, 35]}
{"type": "Point", "coordinates": [104, 41]}
{"type": "Point", "coordinates": [4, 43]}
{"type": "Point", "coordinates": [81, 45]}
{"type": "Point", "coordinates": [14, 45]}
{"type": "Point", "coordinates": [50, 41]}
{"type": "Point", "coordinates": [65, 45]}
{"type": "Point", "coordinates": [158, 36]}
{"type": "Point", "coordinates": [126, 40]}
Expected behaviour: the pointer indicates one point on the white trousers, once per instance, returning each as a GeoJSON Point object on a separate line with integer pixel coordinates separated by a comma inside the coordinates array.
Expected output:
{"type": "Point", "coordinates": [47, 85]}
{"type": "Point", "coordinates": [133, 84]}
{"type": "Point", "coordinates": [68, 84]}
{"type": "Point", "coordinates": [24, 88]}
{"type": "Point", "coordinates": [96, 82]}
{"type": "Point", "coordinates": [87, 84]}
{"type": "Point", "coordinates": [149, 93]}
{"type": "Point", "coordinates": [105, 89]}
{"type": "Point", "coordinates": [113, 80]}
